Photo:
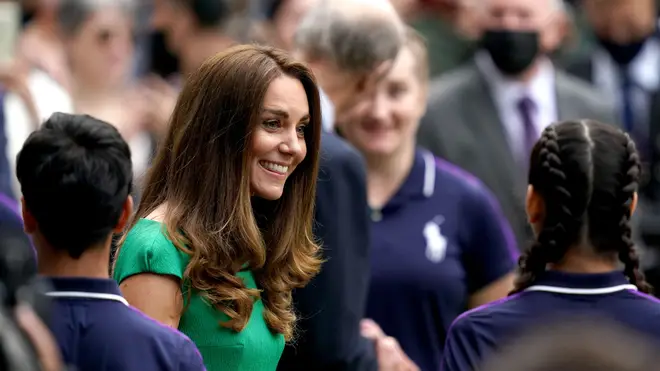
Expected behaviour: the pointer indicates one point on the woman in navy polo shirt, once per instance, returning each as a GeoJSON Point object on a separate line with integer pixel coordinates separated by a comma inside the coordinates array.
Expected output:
{"type": "Point", "coordinates": [438, 244]}
{"type": "Point", "coordinates": [582, 191]}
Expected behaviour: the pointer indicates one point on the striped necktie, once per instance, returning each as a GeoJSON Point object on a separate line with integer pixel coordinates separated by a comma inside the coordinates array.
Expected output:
{"type": "Point", "coordinates": [525, 108]}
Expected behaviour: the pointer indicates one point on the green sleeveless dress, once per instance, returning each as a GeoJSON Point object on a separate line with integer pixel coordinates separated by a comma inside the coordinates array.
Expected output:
{"type": "Point", "coordinates": [256, 348]}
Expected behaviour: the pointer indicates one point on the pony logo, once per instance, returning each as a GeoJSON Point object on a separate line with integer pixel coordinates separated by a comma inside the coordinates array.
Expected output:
{"type": "Point", "coordinates": [436, 243]}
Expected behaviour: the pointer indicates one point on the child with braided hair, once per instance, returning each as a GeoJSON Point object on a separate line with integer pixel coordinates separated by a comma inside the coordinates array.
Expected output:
{"type": "Point", "coordinates": [582, 192]}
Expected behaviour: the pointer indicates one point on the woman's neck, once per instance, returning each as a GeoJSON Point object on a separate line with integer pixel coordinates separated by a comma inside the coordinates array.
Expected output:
{"type": "Point", "coordinates": [386, 174]}
{"type": "Point", "coordinates": [579, 260]}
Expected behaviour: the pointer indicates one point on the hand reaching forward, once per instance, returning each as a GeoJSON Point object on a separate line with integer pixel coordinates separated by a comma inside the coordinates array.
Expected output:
{"type": "Point", "coordinates": [390, 355]}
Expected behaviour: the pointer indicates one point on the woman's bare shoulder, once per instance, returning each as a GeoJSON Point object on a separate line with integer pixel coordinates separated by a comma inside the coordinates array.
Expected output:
{"type": "Point", "coordinates": [158, 215]}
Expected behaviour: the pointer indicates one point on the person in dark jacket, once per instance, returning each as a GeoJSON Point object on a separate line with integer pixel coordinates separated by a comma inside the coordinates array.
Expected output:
{"type": "Point", "coordinates": [349, 44]}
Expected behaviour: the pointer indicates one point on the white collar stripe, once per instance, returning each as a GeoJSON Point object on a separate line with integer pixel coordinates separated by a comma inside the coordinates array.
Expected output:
{"type": "Point", "coordinates": [574, 291]}
{"type": "Point", "coordinates": [87, 295]}
{"type": "Point", "coordinates": [429, 174]}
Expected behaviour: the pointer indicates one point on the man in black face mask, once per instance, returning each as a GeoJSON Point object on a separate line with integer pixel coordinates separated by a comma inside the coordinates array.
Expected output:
{"type": "Point", "coordinates": [626, 62]}
{"type": "Point", "coordinates": [626, 66]}
{"type": "Point", "coordinates": [486, 116]}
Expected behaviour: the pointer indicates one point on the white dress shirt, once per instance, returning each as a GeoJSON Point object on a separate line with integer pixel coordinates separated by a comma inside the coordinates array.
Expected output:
{"type": "Point", "coordinates": [645, 75]}
{"type": "Point", "coordinates": [49, 97]}
{"type": "Point", "coordinates": [507, 93]}
{"type": "Point", "coordinates": [327, 112]}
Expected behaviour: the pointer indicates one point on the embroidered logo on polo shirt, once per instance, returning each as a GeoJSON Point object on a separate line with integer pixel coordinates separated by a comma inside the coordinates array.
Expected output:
{"type": "Point", "coordinates": [436, 243]}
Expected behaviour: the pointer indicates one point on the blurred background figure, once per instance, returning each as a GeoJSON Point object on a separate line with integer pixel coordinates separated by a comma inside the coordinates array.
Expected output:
{"type": "Point", "coordinates": [449, 27]}
{"type": "Point", "coordinates": [485, 116]}
{"type": "Point", "coordinates": [576, 344]}
{"type": "Point", "coordinates": [98, 40]}
{"type": "Point", "coordinates": [40, 352]}
{"type": "Point", "coordinates": [625, 62]}
{"type": "Point", "coordinates": [349, 45]}
{"type": "Point", "coordinates": [625, 65]}
{"type": "Point", "coordinates": [281, 18]}
{"type": "Point", "coordinates": [345, 67]}
{"type": "Point", "coordinates": [195, 30]}
{"type": "Point", "coordinates": [40, 45]}
{"type": "Point", "coordinates": [192, 32]}
{"type": "Point", "coordinates": [22, 73]}
{"type": "Point", "coordinates": [11, 228]}
{"type": "Point", "coordinates": [439, 243]}
{"type": "Point", "coordinates": [26, 343]}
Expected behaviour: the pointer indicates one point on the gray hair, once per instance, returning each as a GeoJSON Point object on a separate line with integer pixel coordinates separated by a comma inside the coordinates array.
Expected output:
{"type": "Point", "coordinates": [352, 41]}
{"type": "Point", "coordinates": [72, 14]}
{"type": "Point", "coordinates": [556, 6]}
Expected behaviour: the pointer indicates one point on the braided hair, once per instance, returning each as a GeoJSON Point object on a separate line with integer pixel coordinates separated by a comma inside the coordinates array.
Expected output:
{"type": "Point", "coordinates": [627, 253]}
{"type": "Point", "coordinates": [587, 174]}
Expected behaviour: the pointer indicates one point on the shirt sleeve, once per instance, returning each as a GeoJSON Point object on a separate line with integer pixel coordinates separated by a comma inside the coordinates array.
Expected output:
{"type": "Point", "coordinates": [148, 250]}
{"type": "Point", "coordinates": [190, 358]}
{"type": "Point", "coordinates": [461, 351]}
{"type": "Point", "coordinates": [490, 249]}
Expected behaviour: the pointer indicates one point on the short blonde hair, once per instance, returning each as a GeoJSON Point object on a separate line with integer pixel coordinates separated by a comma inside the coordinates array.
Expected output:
{"type": "Point", "coordinates": [417, 45]}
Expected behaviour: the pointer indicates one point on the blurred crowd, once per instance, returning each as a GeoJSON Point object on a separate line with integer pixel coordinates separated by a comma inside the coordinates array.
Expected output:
{"type": "Point", "coordinates": [435, 107]}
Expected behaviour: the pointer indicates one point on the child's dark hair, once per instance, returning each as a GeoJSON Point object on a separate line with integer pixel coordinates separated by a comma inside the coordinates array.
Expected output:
{"type": "Point", "coordinates": [76, 174]}
{"type": "Point", "coordinates": [587, 174]}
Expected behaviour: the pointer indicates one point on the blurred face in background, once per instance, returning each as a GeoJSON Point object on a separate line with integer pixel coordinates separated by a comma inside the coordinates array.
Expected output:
{"type": "Point", "coordinates": [49, 3]}
{"type": "Point", "coordinates": [101, 51]}
{"type": "Point", "coordinates": [347, 90]}
{"type": "Point", "coordinates": [621, 21]}
{"type": "Point", "coordinates": [175, 21]}
{"type": "Point", "coordinates": [516, 32]}
{"type": "Point", "coordinates": [388, 122]}
{"type": "Point", "coordinates": [44, 5]}
{"type": "Point", "coordinates": [287, 20]}
{"type": "Point", "coordinates": [39, 6]}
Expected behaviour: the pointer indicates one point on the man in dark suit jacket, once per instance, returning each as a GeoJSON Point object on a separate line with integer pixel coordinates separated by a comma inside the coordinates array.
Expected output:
{"type": "Point", "coordinates": [343, 42]}
{"type": "Point", "coordinates": [626, 66]}
{"type": "Point", "coordinates": [331, 307]}
{"type": "Point", "coordinates": [486, 116]}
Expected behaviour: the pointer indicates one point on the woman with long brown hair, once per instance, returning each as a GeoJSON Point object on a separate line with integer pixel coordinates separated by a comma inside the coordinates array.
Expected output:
{"type": "Point", "coordinates": [224, 229]}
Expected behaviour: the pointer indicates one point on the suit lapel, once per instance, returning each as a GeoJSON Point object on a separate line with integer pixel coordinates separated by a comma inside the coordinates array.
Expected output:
{"type": "Point", "coordinates": [583, 68]}
{"type": "Point", "coordinates": [566, 105]}
{"type": "Point", "coordinates": [485, 121]}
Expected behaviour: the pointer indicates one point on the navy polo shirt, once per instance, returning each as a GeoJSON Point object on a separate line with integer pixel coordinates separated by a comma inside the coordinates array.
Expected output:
{"type": "Point", "coordinates": [555, 296]}
{"type": "Point", "coordinates": [97, 330]}
{"type": "Point", "coordinates": [440, 239]}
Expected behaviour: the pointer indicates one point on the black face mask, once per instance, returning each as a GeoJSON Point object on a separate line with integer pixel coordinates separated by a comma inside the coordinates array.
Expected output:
{"type": "Point", "coordinates": [512, 51]}
{"type": "Point", "coordinates": [622, 54]}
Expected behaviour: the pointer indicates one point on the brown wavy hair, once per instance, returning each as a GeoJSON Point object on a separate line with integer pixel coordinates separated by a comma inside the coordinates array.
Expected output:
{"type": "Point", "coordinates": [201, 172]}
